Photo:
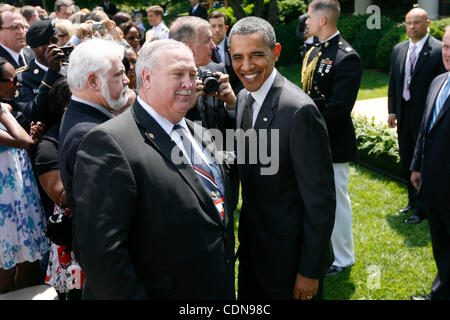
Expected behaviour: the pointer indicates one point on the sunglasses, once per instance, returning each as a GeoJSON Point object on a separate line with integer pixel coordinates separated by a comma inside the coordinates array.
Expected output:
{"type": "Point", "coordinates": [134, 38]}
{"type": "Point", "coordinates": [13, 80]}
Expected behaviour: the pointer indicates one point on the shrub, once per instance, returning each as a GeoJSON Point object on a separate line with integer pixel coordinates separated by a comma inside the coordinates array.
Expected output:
{"type": "Point", "coordinates": [290, 45]}
{"type": "Point", "coordinates": [376, 139]}
{"type": "Point", "coordinates": [387, 43]}
{"type": "Point", "coordinates": [437, 27]}
{"type": "Point", "coordinates": [366, 41]}
{"type": "Point", "coordinates": [349, 26]}
{"type": "Point", "coordinates": [289, 10]}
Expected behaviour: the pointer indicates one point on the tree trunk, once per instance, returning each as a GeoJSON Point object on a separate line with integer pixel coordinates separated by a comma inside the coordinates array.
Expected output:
{"type": "Point", "coordinates": [259, 9]}
{"type": "Point", "coordinates": [237, 8]}
{"type": "Point", "coordinates": [273, 12]}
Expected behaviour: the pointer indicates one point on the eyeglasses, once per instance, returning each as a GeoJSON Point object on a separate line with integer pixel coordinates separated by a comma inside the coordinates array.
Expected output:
{"type": "Point", "coordinates": [13, 80]}
{"type": "Point", "coordinates": [134, 38]}
{"type": "Point", "coordinates": [16, 28]}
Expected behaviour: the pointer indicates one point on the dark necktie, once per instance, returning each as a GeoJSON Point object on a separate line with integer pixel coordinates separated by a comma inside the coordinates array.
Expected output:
{"type": "Point", "coordinates": [203, 171]}
{"type": "Point", "coordinates": [21, 61]}
{"type": "Point", "coordinates": [216, 55]}
{"type": "Point", "coordinates": [247, 113]}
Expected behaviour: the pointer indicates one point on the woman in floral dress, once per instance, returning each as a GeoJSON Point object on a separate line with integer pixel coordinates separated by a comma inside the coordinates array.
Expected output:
{"type": "Point", "coordinates": [22, 219]}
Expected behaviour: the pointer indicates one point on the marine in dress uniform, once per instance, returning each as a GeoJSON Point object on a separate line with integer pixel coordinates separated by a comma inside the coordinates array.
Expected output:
{"type": "Point", "coordinates": [161, 31]}
{"type": "Point", "coordinates": [331, 76]}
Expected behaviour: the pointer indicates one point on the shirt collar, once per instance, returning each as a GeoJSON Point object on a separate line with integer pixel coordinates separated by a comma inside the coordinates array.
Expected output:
{"type": "Point", "coordinates": [93, 105]}
{"type": "Point", "coordinates": [334, 35]}
{"type": "Point", "coordinates": [41, 65]}
{"type": "Point", "coordinates": [163, 122]}
{"type": "Point", "coordinates": [260, 94]}
{"type": "Point", "coordinates": [419, 44]}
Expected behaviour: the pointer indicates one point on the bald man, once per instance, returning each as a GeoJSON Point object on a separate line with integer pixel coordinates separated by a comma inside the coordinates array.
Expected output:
{"type": "Point", "coordinates": [414, 64]}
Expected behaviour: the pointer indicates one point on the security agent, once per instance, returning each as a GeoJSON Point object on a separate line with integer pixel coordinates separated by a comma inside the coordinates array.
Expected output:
{"type": "Point", "coordinates": [39, 75]}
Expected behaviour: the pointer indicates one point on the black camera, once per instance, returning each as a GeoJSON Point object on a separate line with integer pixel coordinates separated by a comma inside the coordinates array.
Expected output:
{"type": "Point", "coordinates": [67, 50]}
{"type": "Point", "coordinates": [211, 82]}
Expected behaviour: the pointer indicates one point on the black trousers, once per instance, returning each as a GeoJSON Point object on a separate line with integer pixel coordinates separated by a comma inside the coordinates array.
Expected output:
{"type": "Point", "coordinates": [408, 132]}
{"type": "Point", "coordinates": [439, 221]}
{"type": "Point", "coordinates": [249, 287]}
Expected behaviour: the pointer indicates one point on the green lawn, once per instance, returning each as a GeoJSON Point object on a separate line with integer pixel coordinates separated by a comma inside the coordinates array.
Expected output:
{"type": "Point", "coordinates": [374, 84]}
{"type": "Point", "coordinates": [393, 260]}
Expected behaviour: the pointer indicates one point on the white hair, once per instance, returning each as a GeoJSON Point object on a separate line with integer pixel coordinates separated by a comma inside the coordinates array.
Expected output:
{"type": "Point", "coordinates": [92, 56]}
{"type": "Point", "coordinates": [149, 54]}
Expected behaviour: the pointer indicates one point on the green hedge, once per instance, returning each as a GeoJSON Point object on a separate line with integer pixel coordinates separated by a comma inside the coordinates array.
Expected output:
{"type": "Point", "coordinates": [290, 44]}
{"type": "Point", "coordinates": [376, 139]}
{"type": "Point", "coordinates": [384, 50]}
{"type": "Point", "coordinates": [289, 10]}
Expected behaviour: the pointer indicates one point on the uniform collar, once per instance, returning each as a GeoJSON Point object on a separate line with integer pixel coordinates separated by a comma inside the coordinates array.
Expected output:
{"type": "Point", "coordinates": [325, 42]}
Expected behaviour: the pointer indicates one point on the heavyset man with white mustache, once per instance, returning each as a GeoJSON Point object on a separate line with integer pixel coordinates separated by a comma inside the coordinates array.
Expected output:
{"type": "Point", "coordinates": [156, 231]}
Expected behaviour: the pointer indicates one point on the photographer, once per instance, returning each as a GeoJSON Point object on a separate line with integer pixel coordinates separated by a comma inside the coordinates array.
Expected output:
{"type": "Point", "coordinates": [39, 75]}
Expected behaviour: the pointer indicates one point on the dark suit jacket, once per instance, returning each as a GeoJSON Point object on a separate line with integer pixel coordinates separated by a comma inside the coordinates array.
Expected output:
{"type": "Point", "coordinates": [77, 120]}
{"type": "Point", "coordinates": [28, 54]}
{"type": "Point", "coordinates": [335, 87]}
{"type": "Point", "coordinates": [199, 12]}
{"type": "Point", "coordinates": [236, 84]}
{"type": "Point", "coordinates": [287, 218]}
{"type": "Point", "coordinates": [111, 11]}
{"type": "Point", "coordinates": [432, 152]}
{"type": "Point", "coordinates": [428, 66]}
{"type": "Point", "coordinates": [154, 231]}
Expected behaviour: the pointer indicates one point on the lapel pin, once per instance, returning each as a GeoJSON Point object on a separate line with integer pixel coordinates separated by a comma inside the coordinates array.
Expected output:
{"type": "Point", "coordinates": [36, 71]}
{"type": "Point", "coordinates": [151, 135]}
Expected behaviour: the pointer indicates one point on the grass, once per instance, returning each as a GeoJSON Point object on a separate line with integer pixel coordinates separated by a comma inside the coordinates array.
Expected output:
{"type": "Point", "coordinates": [374, 84]}
{"type": "Point", "coordinates": [393, 260]}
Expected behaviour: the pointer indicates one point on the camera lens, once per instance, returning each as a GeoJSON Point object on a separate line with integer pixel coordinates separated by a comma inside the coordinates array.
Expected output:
{"type": "Point", "coordinates": [210, 85]}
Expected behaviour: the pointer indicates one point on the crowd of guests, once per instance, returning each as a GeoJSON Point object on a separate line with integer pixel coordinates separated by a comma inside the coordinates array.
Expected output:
{"type": "Point", "coordinates": [95, 109]}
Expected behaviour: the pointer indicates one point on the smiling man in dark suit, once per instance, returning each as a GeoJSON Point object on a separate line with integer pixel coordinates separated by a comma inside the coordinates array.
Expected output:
{"type": "Point", "coordinates": [161, 228]}
{"type": "Point", "coordinates": [287, 214]}
{"type": "Point", "coordinates": [431, 173]}
{"type": "Point", "coordinates": [414, 64]}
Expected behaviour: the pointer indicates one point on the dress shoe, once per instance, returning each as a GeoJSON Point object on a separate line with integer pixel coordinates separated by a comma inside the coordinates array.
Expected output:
{"type": "Point", "coordinates": [413, 219]}
{"type": "Point", "coordinates": [333, 270]}
{"type": "Point", "coordinates": [422, 298]}
{"type": "Point", "coordinates": [405, 209]}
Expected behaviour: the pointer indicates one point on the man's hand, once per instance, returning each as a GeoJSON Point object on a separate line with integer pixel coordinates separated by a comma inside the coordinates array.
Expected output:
{"type": "Point", "coordinates": [225, 92]}
{"type": "Point", "coordinates": [84, 30]}
{"type": "Point", "coordinates": [305, 288]}
{"type": "Point", "coordinates": [110, 27]}
{"type": "Point", "coordinates": [415, 179]}
{"type": "Point", "coordinates": [36, 131]}
{"type": "Point", "coordinates": [54, 57]}
{"type": "Point", "coordinates": [392, 121]}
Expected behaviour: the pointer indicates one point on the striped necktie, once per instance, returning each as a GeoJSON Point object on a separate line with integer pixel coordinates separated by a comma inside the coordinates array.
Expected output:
{"type": "Point", "coordinates": [209, 176]}
{"type": "Point", "coordinates": [216, 55]}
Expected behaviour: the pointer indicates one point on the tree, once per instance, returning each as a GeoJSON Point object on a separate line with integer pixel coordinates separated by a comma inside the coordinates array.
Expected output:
{"type": "Point", "coordinates": [258, 10]}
